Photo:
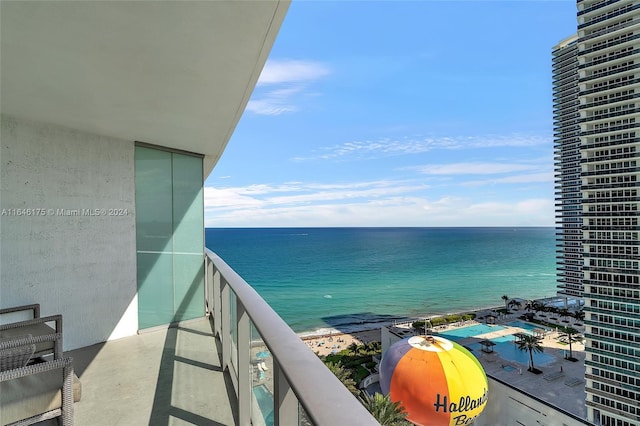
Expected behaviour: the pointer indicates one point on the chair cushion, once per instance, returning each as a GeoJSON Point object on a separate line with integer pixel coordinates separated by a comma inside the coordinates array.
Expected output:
{"type": "Point", "coordinates": [77, 388]}
{"type": "Point", "coordinates": [31, 395]}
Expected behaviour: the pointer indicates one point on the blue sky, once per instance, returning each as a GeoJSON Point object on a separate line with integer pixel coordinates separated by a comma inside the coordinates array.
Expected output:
{"type": "Point", "coordinates": [418, 113]}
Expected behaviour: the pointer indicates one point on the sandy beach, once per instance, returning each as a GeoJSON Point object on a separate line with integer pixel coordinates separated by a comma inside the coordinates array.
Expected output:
{"type": "Point", "coordinates": [326, 343]}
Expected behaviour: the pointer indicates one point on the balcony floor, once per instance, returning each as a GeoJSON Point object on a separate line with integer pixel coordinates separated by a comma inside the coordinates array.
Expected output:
{"type": "Point", "coordinates": [164, 377]}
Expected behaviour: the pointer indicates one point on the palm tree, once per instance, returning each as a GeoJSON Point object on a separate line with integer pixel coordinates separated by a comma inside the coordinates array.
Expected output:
{"type": "Point", "coordinates": [570, 334]}
{"type": "Point", "coordinates": [537, 306]}
{"type": "Point", "coordinates": [343, 375]}
{"type": "Point", "coordinates": [385, 411]}
{"type": "Point", "coordinates": [506, 300]}
{"type": "Point", "coordinates": [564, 313]}
{"type": "Point", "coordinates": [514, 302]}
{"type": "Point", "coordinates": [532, 344]}
{"type": "Point", "coordinates": [579, 315]}
{"type": "Point", "coordinates": [354, 347]}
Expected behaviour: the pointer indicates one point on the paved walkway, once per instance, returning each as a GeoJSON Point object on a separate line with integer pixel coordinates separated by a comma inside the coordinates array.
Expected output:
{"type": "Point", "coordinates": [165, 377]}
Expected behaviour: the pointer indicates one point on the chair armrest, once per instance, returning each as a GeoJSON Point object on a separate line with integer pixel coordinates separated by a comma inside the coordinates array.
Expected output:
{"type": "Point", "coordinates": [66, 384]}
{"type": "Point", "coordinates": [34, 307]}
{"type": "Point", "coordinates": [37, 368]}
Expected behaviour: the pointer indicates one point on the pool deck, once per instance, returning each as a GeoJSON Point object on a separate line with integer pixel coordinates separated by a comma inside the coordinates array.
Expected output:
{"type": "Point", "coordinates": [561, 382]}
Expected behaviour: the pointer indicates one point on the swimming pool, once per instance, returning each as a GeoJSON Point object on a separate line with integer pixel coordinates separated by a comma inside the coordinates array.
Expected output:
{"type": "Point", "coordinates": [262, 354]}
{"type": "Point", "coordinates": [507, 338]}
{"type": "Point", "coordinates": [470, 331]}
{"type": "Point", "coordinates": [265, 402]}
{"type": "Point", "coordinates": [509, 352]}
{"type": "Point", "coordinates": [527, 325]}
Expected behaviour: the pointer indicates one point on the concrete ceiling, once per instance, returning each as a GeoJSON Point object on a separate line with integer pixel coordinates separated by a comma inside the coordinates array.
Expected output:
{"type": "Point", "coordinates": [170, 73]}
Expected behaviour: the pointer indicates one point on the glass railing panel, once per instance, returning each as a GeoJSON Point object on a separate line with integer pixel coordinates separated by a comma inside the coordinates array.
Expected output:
{"type": "Point", "coordinates": [233, 315]}
{"type": "Point", "coordinates": [262, 405]}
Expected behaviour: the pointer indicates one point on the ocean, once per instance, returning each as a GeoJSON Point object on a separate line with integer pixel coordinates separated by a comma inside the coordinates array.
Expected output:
{"type": "Point", "coordinates": [344, 279]}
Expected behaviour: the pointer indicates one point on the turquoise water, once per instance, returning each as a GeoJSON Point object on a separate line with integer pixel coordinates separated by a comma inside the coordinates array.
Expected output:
{"type": "Point", "coordinates": [527, 326]}
{"type": "Point", "coordinates": [510, 352]}
{"type": "Point", "coordinates": [472, 330]}
{"type": "Point", "coordinates": [265, 402]}
{"type": "Point", "coordinates": [504, 345]}
{"type": "Point", "coordinates": [508, 338]}
{"type": "Point", "coordinates": [342, 278]}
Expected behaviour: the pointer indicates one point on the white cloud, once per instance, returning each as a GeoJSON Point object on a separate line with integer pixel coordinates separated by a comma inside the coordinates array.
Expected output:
{"type": "Point", "coordinates": [386, 147]}
{"type": "Point", "coordinates": [478, 168]}
{"type": "Point", "coordinates": [394, 211]}
{"type": "Point", "coordinates": [287, 82]}
{"type": "Point", "coordinates": [515, 179]}
{"type": "Point", "coordinates": [270, 106]}
{"type": "Point", "coordinates": [299, 193]}
{"type": "Point", "coordinates": [291, 71]}
{"type": "Point", "coordinates": [375, 203]}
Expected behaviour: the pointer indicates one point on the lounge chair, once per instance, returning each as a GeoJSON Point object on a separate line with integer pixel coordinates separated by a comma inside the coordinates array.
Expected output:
{"type": "Point", "coordinates": [35, 326]}
{"type": "Point", "coordinates": [38, 326]}
{"type": "Point", "coordinates": [31, 393]}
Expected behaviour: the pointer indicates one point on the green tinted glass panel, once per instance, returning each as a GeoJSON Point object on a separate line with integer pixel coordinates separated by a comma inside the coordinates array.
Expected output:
{"type": "Point", "coordinates": [155, 289]}
{"type": "Point", "coordinates": [188, 236]}
{"type": "Point", "coordinates": [189, 286]}
{"type": "Point", "coordinates": [188, 210]}
{"type": "Point", "coordinates": [154, 230]}
{"type": "Point", "coordinates": [170, 236]}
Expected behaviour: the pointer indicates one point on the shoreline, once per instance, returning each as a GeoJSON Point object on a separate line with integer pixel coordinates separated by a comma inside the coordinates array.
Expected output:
{"type": "Point", "coordinates": [401, 319]}
{"type": "Point", "coordinates": [374, 325]}
{"type": "Point", "coordinates": [324, 341]}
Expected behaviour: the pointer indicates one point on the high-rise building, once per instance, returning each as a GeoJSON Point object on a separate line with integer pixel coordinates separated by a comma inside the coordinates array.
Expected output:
{"type": "Point", "coordinates": [609, 103]}
{"type": "Point", "coordinates": [567, 165]}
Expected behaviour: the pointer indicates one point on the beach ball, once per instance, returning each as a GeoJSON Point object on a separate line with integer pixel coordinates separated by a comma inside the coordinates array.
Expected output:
{"type": "Point", "coordinates": [437, 381]}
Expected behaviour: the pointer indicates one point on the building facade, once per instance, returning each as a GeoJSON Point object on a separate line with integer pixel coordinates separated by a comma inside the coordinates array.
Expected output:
{"type": "Point", "coordinates": [609, 103]}
{"type": "Point", "coordinates": [567, 168]}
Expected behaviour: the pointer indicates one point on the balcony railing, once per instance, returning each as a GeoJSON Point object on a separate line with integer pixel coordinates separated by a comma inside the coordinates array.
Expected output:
{"type": "Point", "coordinates": [300, 379]}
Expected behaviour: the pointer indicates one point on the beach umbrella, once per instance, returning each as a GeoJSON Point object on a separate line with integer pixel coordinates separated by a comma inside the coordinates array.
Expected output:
{"type": "Point", "coordinates": [437, 381]}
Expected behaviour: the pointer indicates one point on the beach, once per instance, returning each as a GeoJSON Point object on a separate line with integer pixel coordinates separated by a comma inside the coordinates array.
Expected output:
{"type": "Point", "coordinates": [325, 344]}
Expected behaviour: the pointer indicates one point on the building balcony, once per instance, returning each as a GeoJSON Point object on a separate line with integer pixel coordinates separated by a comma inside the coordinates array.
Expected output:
{"type": "Point", "coordinates": [239, 365]}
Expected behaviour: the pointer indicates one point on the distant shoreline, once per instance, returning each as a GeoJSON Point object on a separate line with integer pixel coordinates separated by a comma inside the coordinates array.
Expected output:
{"type": "Point", "coordinates": [372, 326]}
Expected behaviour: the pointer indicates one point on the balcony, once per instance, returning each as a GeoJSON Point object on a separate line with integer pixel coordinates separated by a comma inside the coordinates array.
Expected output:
{"type": "Point", "coordinates": [203, 371]}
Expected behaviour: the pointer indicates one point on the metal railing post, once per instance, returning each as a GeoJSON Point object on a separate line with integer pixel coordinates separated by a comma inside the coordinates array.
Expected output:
{"type": "Point", "coordinates": [284, 399]}
{"type": "Point", "coordinates": [244, 365]}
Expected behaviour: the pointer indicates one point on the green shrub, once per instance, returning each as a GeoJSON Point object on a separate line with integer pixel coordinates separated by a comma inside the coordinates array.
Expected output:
{"type": "Point", "coordinates": [361, 373]}
{"type": "Point", "coordinates": [438, 321]}
{"type": "Point", "coordinates": [453, 318]}
{"type": "Point", "coordinates": [418, 325]}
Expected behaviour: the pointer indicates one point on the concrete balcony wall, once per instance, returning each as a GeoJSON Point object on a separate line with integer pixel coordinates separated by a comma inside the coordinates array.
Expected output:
{"type": "Point", "coordinates": [67, 228]}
